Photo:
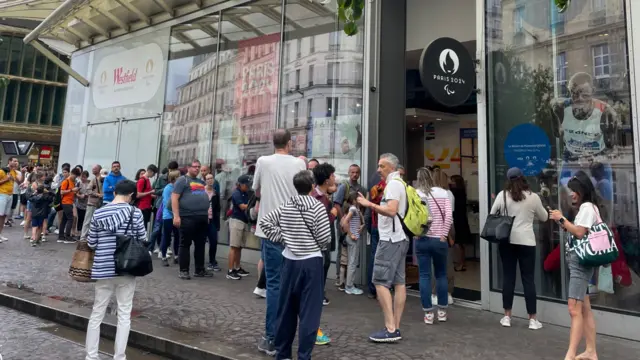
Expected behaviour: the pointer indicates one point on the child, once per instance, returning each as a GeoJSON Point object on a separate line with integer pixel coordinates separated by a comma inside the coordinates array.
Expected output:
{"type": "Point", "coordinates": [40, 202]}
{"type": "Point", "coordinates": [353, 224]}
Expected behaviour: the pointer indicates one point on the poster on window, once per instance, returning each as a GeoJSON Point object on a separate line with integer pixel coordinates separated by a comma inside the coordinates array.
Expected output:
{"type": "Point", "coordinates": [338, 142]}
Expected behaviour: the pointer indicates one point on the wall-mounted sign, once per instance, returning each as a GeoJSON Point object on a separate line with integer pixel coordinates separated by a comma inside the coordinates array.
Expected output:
{"type": "Point", "coordinates": [46, 152]}
{"type": "Point", "coordinates": [527, 147]}
{"type": "Point", "coordinates": [469, 133]}
{"type": "Point", "coordinates": [448, 72]}
{"type": "Point", "coordinates": [128, 77]}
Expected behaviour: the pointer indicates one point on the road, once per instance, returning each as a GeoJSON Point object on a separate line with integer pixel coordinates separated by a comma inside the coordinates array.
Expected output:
{"type": "Point", "coordinates": [24, 337]}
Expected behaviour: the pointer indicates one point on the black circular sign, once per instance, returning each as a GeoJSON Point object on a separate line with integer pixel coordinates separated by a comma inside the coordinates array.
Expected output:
{"type": "Point", "coordinates": [448, 72]}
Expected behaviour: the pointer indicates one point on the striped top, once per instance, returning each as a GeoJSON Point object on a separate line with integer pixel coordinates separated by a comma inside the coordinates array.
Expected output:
{"type": "Point", "coordinates": [355, 222]}
{"type": "Point", "coordinates": [301, 224]}
{"type": "Point", "coordinates": [440, 211]}
{"type": "Point", "coordinates": [108, 221]}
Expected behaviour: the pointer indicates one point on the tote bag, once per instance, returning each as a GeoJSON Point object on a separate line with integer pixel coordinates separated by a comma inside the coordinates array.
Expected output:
{"type": "Point", "coordinates": [497, 227]}
{"type": "Point", "coordinates": [598, 246]}
{"type": "Point", "coordinates": [82, 262]}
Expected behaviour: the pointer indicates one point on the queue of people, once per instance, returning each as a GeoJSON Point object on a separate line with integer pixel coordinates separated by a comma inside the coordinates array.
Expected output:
{"type": "Point", "coordinates": [301, 214]}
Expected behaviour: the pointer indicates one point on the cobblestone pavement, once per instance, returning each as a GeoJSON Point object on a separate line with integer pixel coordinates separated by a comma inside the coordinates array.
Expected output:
{"type": "Point", "coordinates": [24, 337]}
{"type": "Point", "coordinates": [225, 311]}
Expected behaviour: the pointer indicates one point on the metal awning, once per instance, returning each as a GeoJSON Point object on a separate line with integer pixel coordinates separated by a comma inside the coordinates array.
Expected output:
{"type": "Point", "coordinates": [84, 23]}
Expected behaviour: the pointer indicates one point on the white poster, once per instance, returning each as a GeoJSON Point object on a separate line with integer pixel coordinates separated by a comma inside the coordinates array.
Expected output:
{"type": "Point", "coordinates": [128, 77]}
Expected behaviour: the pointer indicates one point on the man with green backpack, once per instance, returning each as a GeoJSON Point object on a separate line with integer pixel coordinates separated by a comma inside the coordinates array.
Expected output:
{"type": "Point", "coordinates": [401, 215]}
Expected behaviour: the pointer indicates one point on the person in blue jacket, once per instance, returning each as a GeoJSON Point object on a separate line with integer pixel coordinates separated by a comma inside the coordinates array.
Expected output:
{"type": "Point", "coordinates": [109, 185]}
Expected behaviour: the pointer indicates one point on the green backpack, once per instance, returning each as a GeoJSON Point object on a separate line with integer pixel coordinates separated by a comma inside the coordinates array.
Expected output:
{"type": "Point", "coordinates": [416, 218]}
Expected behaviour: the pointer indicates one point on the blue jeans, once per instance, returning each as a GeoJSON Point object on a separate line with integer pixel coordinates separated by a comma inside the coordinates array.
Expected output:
{"type": "Point", "coordinates": [272, 257]}
{"type": "Point", "coordinates": [156, 234]}
{"type": "Point", "coordinates": [428, 249]}
{"type": "Point", "coordinates": [375, 237]}
{"type": "Point", "coordinates": [212, 236]}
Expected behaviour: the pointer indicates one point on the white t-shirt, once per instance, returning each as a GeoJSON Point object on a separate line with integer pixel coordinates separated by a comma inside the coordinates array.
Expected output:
{"type": "Point", "coordinates": [394, 190]}
{"type": "Point", "coordinates": [274, 180]}
{"type": "Point", "coordinates": [586, 216]}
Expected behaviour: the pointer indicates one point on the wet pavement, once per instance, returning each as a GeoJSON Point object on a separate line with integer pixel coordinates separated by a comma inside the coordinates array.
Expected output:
{"type": "Point", "coordinates": [24, 337]}
{"type": "Point", "coordinates": [223, 313]}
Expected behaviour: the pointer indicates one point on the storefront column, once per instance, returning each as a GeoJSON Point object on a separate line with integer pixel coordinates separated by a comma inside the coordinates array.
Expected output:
{"type": "Point", "coordinates": [389, 93]}
{"type": "Point", "coordinates": [633, 43]}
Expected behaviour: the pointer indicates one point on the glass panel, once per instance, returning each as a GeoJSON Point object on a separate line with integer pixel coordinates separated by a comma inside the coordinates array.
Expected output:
{"type": "Point", "coordinates": [34, 105]}
{"type": "Point", "coordinates": [58, 106]}
{"type": "Point", "coordinates": [23, 102]}
{"type": "Point", "coordinates": [63, 77]}
{"type": "Point", "coordinates": [52, 71]}
{"type": "Point", "coordinates": [5, 43]}
{"type": "Point", "coordinates": [16, 56]}
{"type": "Point", "coordinates": [39, 66]}
{"type": "Point", "coordinates": [10, 101]}
{"type": "Point", "coordinates": [559, 106]}
{"type": "Point", "coordinates": [28, 62]}
{"type": "Point", "coordinates": [47, 102]}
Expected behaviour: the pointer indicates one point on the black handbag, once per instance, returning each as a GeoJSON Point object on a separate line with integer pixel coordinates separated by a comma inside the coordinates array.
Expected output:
{"type": "Point", "coordinates": [132, 256]}
{"type": "Point", "coordinates": [497, 227]}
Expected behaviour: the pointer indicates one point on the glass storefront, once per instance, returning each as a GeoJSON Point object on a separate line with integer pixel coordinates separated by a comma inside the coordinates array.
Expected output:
{"type": "Point", "coordinates": [558, 103]}
{"type": "Point", "coordinates": [235, 76]}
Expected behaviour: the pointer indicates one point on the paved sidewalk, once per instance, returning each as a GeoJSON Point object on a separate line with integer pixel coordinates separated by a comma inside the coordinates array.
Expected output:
{"type": "Point", "coordinates": [226, 312]}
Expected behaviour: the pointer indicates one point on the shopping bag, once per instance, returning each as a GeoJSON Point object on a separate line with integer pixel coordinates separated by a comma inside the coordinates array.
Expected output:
{"type": "Point", "coordinates": [605, 279]}
{"type": "Point", "coordinates": [132, 256]}
{"type": "Point", "coordinates": [82, 262]}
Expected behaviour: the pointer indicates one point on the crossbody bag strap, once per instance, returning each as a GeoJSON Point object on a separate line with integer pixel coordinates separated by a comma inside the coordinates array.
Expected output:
{"type": "Point", "coordinates": [595, 208]}
{"type": "Point", "coordinates": [438, 205]}
{"type": "Point", "coordinates": [130, 222]}
{"type": "Point", "coordinates": [309, 228]}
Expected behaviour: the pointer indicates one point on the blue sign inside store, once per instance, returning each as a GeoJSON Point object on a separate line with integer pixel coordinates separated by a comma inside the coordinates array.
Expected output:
{"type": "Point", "coordinates": [527, 147]}
{"type": "Point", "coordinates": [469, 133]}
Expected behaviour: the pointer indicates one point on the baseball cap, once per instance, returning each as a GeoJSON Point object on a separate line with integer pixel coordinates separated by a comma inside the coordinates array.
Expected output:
{"type": "Point", "coordinates": [244, 180]}
{"type": "Point", "coordinates": [514, 173]}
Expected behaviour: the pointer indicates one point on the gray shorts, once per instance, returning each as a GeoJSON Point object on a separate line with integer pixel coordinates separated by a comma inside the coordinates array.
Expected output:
{"type": "Point", "coordinates": [579, 278]}
{"type": "Point", "coordinates": [389, 263]}
{"type": "Point", "coordinates": [5, 204]}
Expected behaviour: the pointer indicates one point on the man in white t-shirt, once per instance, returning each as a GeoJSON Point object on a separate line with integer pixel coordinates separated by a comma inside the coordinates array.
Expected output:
{"type": "Point", "coordinates": [273, 182]}
{"type": "Point", "coordinates": [390, 259]}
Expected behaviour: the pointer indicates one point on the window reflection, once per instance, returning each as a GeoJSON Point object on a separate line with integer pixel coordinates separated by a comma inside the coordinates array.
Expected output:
{"type": "Point", "coordinates": [224, 100]}
{"type": "Point", "coordinates": [567, 74]}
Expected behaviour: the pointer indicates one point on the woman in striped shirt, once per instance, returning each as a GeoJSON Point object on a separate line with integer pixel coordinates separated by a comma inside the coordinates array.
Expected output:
{"type": "Point", "coordinates": [107, 222]}
{"type": "Point", "coordinates": [433, 245]}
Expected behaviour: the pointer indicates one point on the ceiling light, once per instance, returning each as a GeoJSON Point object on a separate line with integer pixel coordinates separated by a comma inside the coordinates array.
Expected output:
{"type": "Point", "coordinates": [438, 119]}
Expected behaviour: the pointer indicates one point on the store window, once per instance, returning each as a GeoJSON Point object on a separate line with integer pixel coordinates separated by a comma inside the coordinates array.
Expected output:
{"type": "Point", "coordinates": [558, 104]}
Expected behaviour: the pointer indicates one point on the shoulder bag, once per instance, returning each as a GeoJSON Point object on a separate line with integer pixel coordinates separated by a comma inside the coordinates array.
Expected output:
{"type": "Point", "coordinates": [497, 227]}
{"type": "Point", "coordinates": [82, 262]}
{"type": "Point", "coordinates": [131, 255]}
{"type": "Point", "coordinates": [597, 247]}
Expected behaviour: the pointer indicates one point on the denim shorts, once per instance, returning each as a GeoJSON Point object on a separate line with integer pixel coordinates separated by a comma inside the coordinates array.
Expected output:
{"type": "Point", "coordinates": [37, 221]}
{"type": "Point", "coordinates": [579, 277]}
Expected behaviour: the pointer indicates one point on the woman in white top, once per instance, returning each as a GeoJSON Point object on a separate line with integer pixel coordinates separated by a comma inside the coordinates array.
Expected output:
{"type": "Point", "coordinates": [432, 247]}
{"type": "Point", "coordinates": [583, 196]}
{"type": "Point", "coordinates": [525, 206]}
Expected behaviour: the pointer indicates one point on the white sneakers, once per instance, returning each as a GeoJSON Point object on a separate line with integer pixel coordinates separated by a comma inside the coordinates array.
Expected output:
{"type": "Point", "coordinates": [505, 321]}
{"type": "Point", "coordinates": [534, 324]}
{"type": "Point", "coordinates": [3, 239]}
{"type": "Point", "coordinates": [429, 318]}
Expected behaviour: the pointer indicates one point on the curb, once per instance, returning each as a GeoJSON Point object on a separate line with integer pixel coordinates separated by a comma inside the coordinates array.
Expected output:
{"type": "Point", "coordinates": [78, 318]}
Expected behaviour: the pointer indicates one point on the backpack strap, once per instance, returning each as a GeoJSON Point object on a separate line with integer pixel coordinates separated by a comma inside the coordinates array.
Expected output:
{"type": "Point", "coordinates": [406, 200]}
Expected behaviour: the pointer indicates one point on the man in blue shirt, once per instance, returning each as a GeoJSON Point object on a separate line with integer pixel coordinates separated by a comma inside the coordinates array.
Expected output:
{"type": "Point", "coordinates": [238, 227]}
{"type": "Point", "coordinates": [110, 182]}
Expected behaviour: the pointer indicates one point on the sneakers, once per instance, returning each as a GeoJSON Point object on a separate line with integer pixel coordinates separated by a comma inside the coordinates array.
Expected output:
{"type": "Point", "coordinates": [22, 223]}
{"type": "Point", "coordinates": [157, 251]}
{"type": "Point", "coordinates": [505, 321]}
{"type": "Point", "coordinates": [60, 240]}
{"type": "Point", "coordinates": [322, 339]}
{"type": "Point", "coordinates": [27, 236]}
{"type": "Point", "coordinates": [428, 318]}
{"type": "Point", "coordinates": [176, 260]}
{"type": "Point", "coordinates": [2, 238]}
{"type": "Point", "coordinates": [33, 243]}
{"type": "Point", "coordinates": [43, 238]}
{"type": "Point", "coordinates": [184, 275]}
{"type": "Point", "coordinates": [160, 255]}
{"type": "Point", "coordinates": [233, 275]}
{"type": "Point", "coordinates": [203, 274]}
{"type": "Point", "coordinates": [165, 262]}
{"type": "Point", "coordinates": [384, 336]}
{"type": "Point", "coordinates": [70, 240]}
{"type": "Point", "coordinates": [169, 252]}
{"type": "Point", "coordinates": [213, 267]}
{"type": "Point", "coordinates": [353, 291]}
{"type": "Point", "coordinates": [242, 272]}
{"type": "Point", "coordinates": [326, 301]}
{"type": "Point", "coordinates": [534, 324]}
{"type": "Point", "coordinates": [260, 292]}
{"type": "Point", "coordinates": [267, 347]}
{"type": "Point", "coordinates": [341, 287]}
{"type": "Point", "coordinates": [442, 316]}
